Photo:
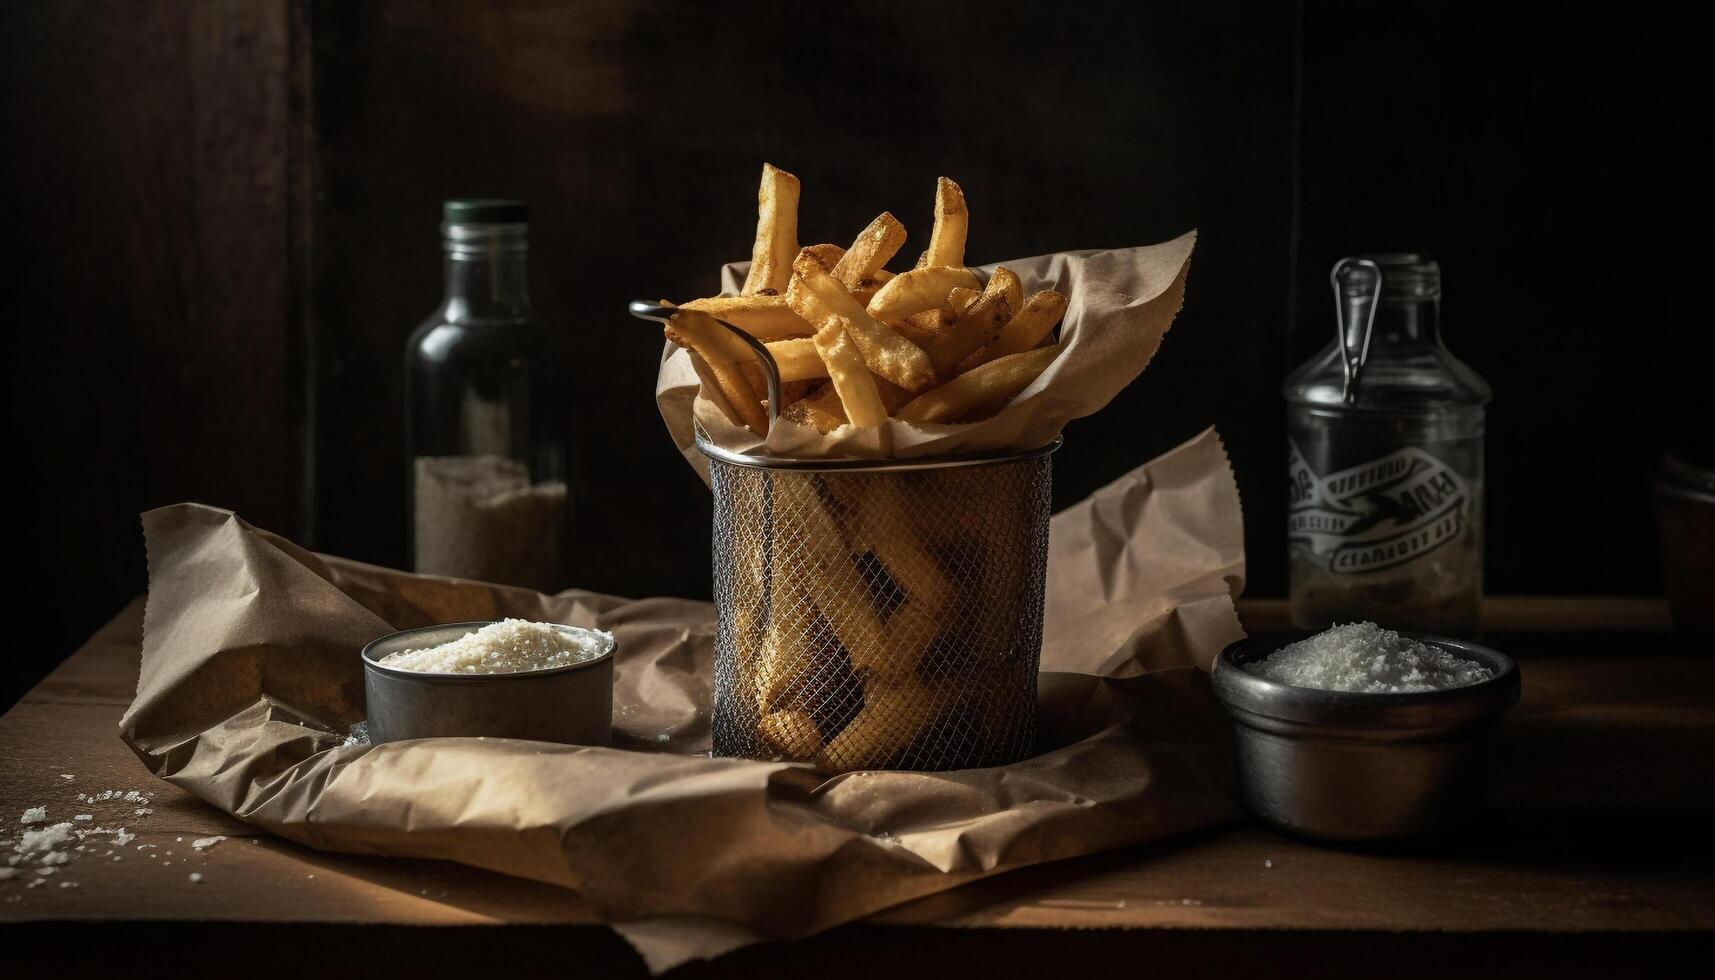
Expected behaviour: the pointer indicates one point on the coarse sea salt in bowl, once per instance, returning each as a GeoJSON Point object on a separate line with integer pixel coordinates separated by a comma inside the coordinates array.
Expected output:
{"type": "Point", "coordinates": [1363, 734]}
{"type": "Point", "coordinates": [543, 682]}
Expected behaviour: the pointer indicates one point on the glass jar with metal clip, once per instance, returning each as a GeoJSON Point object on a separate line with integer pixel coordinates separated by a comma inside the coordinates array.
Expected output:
{"type": "Point", "coordinates": [1385, 460]}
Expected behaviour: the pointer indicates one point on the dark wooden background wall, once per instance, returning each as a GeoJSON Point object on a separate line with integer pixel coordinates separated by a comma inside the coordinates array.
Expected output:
{"type": "Point", "coordinates": [224, 225]}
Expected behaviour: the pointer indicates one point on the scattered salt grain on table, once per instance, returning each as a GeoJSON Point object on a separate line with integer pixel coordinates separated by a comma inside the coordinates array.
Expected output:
{"type": "Point", "coordinates": [196, 877]}
{"type": "Point", "coordinates": [506, 647]}
{"type": "Point", "coordinates": [1364, 657]}
{"type": "Point", "coordinates": [203, 843]}
{"type": "Point", "coordinates": [6, 874]}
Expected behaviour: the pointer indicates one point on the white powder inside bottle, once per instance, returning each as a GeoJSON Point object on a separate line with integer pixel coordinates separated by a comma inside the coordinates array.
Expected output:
{"type": "Point", "coordinates": [506, 647]}
{"type": "Point", "coordinates": [480, 517]}
{"type": "Point", "coordinates": [1364, 657]}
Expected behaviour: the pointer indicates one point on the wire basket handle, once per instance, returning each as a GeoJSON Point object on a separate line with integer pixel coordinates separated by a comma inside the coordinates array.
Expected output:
{"type": "Point", "coordinates": [655, 311]}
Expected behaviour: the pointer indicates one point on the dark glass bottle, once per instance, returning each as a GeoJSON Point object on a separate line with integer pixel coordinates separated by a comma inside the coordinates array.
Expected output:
{"type": "Point", "coordinates": [486, 461]}
{"type": "Point", "coordinates": [1385, 460]}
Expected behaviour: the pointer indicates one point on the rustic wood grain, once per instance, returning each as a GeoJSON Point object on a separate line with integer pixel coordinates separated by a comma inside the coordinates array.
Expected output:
{"type": "Point", "coordinates": [146, 310]}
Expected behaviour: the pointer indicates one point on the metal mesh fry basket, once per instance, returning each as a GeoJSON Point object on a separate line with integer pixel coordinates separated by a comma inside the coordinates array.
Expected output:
{"type": "Point", "coordinates": [879, 615]}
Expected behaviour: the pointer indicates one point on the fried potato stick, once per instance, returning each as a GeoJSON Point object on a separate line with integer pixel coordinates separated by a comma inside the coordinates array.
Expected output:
{"type": "Point", "coordinates": [812, 569]}
{"type": "Point", "coordinates": [763, 317]}
{"type": "Point", "coordinates": [952, 223]}
{"type": "Point", "coordinates": [793, 733]}
{"type": "Point", "coordinates": [776, 232]}
{"type": "Point", "coordinates": [871, 250]}
{"type": "Point", "coordinates": [821, 409]}
{"type": "Point", "coordinates": [1024, 331]}
{"type": "Point", "coordinates": [884, 522]}
{"type": "Point", "coordinates": [721, 354]}
{"type": "Point", "coordinates": [922, 326]}
{"type": "Point", "coordinates": [816, 295]}
{"type": "Point", "coordinates": [984, 389]}
{"type": "Point", "coordinates": [851, 377]}
{"type": "Point", "coordinates": [979, 324]}
{"type": "Point", "coordinates": [751, 589]}
{"type": "Point", "coordinates": [797, 359]}
{"type": "Point", "coordinates": [827, 256]}
{"type": "Point", "coordinates": [910, 293]}
{"type": "Point", "coordinates": [865, 291]}
{"type": "Point", "coordinates": [893, 715]}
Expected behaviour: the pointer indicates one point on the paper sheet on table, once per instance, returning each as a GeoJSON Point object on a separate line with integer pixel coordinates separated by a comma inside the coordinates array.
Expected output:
{"type": "Point", "coordinates": [1120, 303]}
{"type": "Point", "coordinates": [251, 678]}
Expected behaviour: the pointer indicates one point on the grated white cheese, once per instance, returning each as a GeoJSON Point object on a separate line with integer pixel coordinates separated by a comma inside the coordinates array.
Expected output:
{"type": "Point", "coordinates": [202, 843]}
{"type": "Point", "coordinates": [7, 874]}
{"type": "Point", "coordinates": [1364, 657]}
{"type": "Point", "coordinates": [509, 646]}
{"type": "Point", "coordinates": [35, 814]}
{"type": "Point", "coordinates": [46, 839]}
{"type": "Point", "coordinates": [196, 877]}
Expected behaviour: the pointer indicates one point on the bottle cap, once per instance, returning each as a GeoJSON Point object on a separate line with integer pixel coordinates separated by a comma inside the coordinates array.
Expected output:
{"type": "Point", "coordinates": [484, 211]}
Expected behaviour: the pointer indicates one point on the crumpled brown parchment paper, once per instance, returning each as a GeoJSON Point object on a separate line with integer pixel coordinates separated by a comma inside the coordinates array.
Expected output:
{"type": "Point", "coordinates": [251, 678]}
{"type": "Point", "coordinates": [1120, 303]}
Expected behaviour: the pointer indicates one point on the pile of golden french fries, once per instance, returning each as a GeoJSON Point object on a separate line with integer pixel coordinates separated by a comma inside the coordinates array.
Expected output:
{"type": "Point", "coordinates": [855, 343]}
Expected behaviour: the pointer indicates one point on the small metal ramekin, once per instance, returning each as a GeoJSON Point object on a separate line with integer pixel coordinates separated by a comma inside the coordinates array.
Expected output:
{"type": "Point", "coordinates": [1348, 766]}
{"type": "Point", "coordinates": [571, 704]}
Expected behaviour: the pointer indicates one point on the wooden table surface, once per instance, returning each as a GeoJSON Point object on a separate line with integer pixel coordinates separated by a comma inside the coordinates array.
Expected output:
{"type": "Point", "coordinates": [1594, 855]}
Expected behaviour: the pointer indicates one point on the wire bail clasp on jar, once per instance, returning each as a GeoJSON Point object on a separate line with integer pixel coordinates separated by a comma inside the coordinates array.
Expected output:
{"type": "Point", "coordinates": [1352, 357]}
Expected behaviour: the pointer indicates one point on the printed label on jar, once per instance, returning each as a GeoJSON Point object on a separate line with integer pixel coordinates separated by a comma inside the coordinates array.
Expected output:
{"type": "Point", "coordinates": [1377, 515]}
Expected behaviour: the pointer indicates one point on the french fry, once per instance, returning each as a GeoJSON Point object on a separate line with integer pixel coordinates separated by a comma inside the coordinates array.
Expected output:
{"type": "Point", "coordinates": [978, 325]}
{"type": "Point", "coordinates": [960, 298]}
{"type": "Point", "coordinates": [893, 715]}
{"type": "Point", "coordinates": [821, 409]}
{"type": "Point", "coordinates": [871, 250]}
{"type": "Point", "coordinates": [792, 732]}
{"type": "Point", "coordinates": [816, 295]}
{"type": "Point", "coordinates": [776, 232]}
{"type": "Point", "coordinates": [822, 569]}
{"type": "Point", "coordinates": [763, 317]}
{"type": "Point", "coordinates": [827, 256]}
{"type": "Point", "coordinates": [913, 292]}
{"type": "Point", "coordinates": [1024, 331]}
{"type": "Point", "coordinates": [865, 291]}
{"type": "Point", "coordinates": [952, 222]}
{"type": "Point", "coordinates": [922, 326]}
{"type": "Point", "coordinates": [851, 377]}
{"type": "Point", "coordinates": [794, 391]}
{"type": "Point", "coordinates": [984, 389]}
{"type": "Point", "coordinates": [797, 359]}
{"type": "Point", "coordinates": [721, 354]}
{"type": "Point", "coordinates": [753, 573]}
{"type": "Point", "coordinates": [800, 367]}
